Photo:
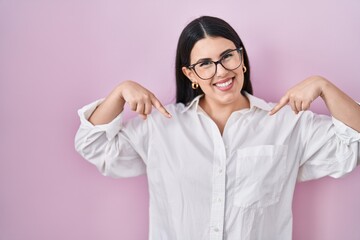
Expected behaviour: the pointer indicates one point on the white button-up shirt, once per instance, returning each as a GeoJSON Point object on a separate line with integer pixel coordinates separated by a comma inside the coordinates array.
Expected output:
{"type": "Point", "coordinates": [204, 185]}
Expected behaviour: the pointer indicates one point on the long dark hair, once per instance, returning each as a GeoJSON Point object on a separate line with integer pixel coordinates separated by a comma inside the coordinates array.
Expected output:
{"type": "Point", "coordinates": [193, 32]}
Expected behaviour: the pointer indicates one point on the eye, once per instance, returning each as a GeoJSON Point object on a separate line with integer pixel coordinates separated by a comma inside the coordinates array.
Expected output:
{"type": "Point", "coordinates": [205, 64]}
{"type": "Point", "coordinates": [228, 55]}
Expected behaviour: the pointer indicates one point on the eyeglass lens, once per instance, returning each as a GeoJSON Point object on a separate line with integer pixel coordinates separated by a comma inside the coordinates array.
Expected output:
{"type": "Point", "coordinates": [207, 69]}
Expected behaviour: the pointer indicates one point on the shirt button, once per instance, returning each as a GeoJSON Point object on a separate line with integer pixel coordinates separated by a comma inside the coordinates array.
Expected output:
{"type": "Point", "coordinates": [220, 171]}
{"type": "Point", "coordinates": [219, 199]}
{"type": "Point", "coordinates": [216, 229]}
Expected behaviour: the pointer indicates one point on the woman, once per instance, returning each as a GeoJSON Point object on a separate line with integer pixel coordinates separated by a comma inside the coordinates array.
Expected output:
{"type": "Point", "coordinates": [221, 163]}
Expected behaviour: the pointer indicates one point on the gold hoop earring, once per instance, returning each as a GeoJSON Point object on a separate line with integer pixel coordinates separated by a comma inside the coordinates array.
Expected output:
{"type": "Point", "coordinates": [194, 85]}
{"type": "Point", "coordinates": [244, 68]}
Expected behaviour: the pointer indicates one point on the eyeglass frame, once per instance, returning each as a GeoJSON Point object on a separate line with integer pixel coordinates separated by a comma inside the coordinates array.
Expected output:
{"type": "Point", "coordinates": [192, 66]}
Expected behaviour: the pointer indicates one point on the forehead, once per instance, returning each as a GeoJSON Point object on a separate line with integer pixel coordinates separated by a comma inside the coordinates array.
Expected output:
{"type": "Point", "coordinates": [210, 47]}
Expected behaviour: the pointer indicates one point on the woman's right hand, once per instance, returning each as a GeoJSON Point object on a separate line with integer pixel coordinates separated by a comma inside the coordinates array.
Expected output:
{"type": "Point", "coordinates": [140, 99]}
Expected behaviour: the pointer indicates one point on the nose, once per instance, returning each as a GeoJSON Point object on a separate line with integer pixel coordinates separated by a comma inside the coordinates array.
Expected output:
{"type": "Point", "coordinates": [220, 70]}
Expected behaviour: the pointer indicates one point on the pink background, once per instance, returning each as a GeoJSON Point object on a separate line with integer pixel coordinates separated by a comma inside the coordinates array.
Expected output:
{"type": "Point", "coordinates": [56, 56]}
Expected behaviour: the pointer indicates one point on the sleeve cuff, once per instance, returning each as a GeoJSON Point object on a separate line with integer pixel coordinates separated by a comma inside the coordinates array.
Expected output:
{"type": "Point", "coordinates": [345, 133]}
{"type": "Point", "coordinates": [111, 129]}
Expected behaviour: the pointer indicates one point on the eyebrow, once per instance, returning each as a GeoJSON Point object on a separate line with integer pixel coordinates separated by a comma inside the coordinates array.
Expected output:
{"type": "Point", "coordinates": [209, 59]}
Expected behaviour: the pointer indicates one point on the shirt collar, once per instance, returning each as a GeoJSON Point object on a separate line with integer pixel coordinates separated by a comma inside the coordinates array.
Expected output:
{"type": "Point", "coordinates": [258, 102]}
{"type": "Point", "coordinates": [254, 102]}
{"type": "Point", "coordinates": [194, 103]}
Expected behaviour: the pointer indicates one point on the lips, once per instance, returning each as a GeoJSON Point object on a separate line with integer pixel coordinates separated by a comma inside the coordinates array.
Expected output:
{"type": "Point", "coordinates": [225, 84]}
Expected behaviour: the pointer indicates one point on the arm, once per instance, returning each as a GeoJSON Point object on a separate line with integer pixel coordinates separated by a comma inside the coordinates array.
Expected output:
{"type": "Point", "coordinates": [104, 141]}
{"type": "Point", "coordinates": [108, 146]}
{"type": "Point", "coordinates": [341, 106]}
{"type": "Point", "coordinates": [139, 98]}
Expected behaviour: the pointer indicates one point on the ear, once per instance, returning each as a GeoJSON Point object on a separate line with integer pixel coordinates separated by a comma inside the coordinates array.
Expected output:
{"type": "Point", "coordinates": [188, 73]}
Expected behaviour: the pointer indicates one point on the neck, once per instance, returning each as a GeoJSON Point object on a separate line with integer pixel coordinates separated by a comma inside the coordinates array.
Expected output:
{"type": "Point", "coordinates": [212, 107]}
{"type": "Point", "coordinates": [220, 112]}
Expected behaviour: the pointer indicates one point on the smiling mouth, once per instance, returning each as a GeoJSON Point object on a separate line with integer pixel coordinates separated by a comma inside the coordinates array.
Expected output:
{"type": "Point", "coordinates": [224, 84]}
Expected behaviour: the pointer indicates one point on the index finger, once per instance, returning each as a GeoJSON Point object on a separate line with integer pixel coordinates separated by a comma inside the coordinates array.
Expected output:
{"type": "Point", "coordinates": [157, 104]}
{"type": "Point", "coordinates": [283, 101]}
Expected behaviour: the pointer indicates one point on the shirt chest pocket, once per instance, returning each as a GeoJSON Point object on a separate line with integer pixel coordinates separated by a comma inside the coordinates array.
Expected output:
{"type": "Point", "coordinates": [260, 175]}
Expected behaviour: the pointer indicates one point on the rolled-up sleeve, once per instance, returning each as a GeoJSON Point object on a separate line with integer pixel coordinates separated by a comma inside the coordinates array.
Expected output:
{"type": "Point", "coordinates": [330, 148]}
{"type": "Point", "coordinates": [107, 146]}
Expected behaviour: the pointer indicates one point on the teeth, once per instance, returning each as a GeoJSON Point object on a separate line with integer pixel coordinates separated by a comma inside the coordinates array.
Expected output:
{"type": "Point", "coordinates": [225, 84]}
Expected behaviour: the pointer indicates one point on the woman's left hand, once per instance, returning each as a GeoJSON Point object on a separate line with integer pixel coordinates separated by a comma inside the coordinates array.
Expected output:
{"type": "Point", "coordinates": [301, 95]}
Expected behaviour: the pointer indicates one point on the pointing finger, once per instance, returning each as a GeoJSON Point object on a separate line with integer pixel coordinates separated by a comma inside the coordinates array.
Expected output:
{"type": "Point", "coordinates": [160, 107]}
{"type": "Point", "coordinates": [283, 101]}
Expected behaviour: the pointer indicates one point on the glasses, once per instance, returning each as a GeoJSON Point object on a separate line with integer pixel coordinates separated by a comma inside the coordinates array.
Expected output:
{"type": "Point", "coordinates": [206, 69]}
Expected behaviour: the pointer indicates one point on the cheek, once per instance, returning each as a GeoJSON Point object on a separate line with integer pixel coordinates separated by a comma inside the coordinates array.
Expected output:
{"type": "Point", "coordinates": [240, 75]}
{"type": "Point", "coordinates": [239, 72]}
{"type": "Point", "coordinates": [204, 85]}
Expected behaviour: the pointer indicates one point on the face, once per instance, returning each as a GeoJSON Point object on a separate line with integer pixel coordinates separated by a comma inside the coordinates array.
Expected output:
{"type": "Point", "coordinates": [225, 86]}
